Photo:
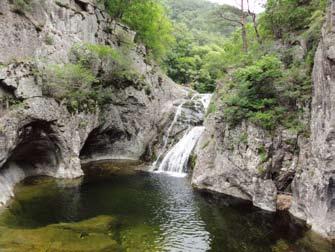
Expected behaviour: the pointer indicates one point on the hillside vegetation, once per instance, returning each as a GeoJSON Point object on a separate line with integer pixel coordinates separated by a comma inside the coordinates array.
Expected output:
{"type": "Point", "coordinates": [264, 66]}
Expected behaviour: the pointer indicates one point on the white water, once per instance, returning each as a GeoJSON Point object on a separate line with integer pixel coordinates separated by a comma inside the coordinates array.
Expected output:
{"type": "Point", "coordinates": [176, 160]}
{"type": "Point", "coordinates": [167, 136]}
{"type": "Point", "coordinates": [204, 98]}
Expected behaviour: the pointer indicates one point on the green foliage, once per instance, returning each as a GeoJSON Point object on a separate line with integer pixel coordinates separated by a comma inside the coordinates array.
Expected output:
{"type": "Point", "coordinates": [88, 81]}
{"type": "Point", "coordinates": [192, 63]}
{"type": "Point", "coordinates": [261, 170]}
{"type": "Point", "coordinates": [200, 17]}
{"type": "Point", "coordinates": [120, 69]}
{"type": "Point", "coordinates": [21, 6]}
{"type": "Point", "coordinates": [252, 94]}
{"type": "Point", "coordinates": [262, 153]}
{"type": "Point", "coordinates": [193, 161]}
{"type": "Point", "coordinates": [271, 90]}
{"type": "Point", "coordinates": [283, 17]}
{"type": "Point", "coordinates": [211, 108]}
{"type": "Point", "coordinates": [243, 138]}
{"type": "Point", "coordinates": [268, 94]}
{"type": "Point", "coordinates": [149, 19]}
{"type": "Point", "coordinates": [280, 246]}
{"type": "Point", "coordinates": [196, 59]}
{"type": "Point", "coordinates": [88, 54]}
{"type": "Point", "coordinates": [71, 83]}
{"type": "Point", "coordinates": [49, 40]}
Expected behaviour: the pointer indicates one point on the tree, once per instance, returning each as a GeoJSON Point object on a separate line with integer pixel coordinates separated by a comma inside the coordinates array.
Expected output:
{"type": "Point", "coordinates": [148, 18]}
{"type": "Point", "coordinates": [254, 21]}
{"type": "Point", "coordinates": [242, 22]}
{"type": "Point", "coordinates": [117, 8]}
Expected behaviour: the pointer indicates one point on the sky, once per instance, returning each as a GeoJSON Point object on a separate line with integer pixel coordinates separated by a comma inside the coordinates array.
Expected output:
{"type": "Point", "coordinates": [255, 5]}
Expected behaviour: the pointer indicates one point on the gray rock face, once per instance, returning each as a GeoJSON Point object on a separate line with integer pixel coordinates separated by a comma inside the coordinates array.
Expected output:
{"type": "Point", "coordinates": [314, 184]}
{"type": "Point", "coordinates": [37, 134]}
{"type": "Point", "coordinates": [246, 162]}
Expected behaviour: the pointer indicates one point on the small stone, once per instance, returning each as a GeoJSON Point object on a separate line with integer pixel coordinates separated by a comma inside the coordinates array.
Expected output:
{"type": "Point", "coordinates": [331, 53]}
{"type": "Point", "coordinates": [284, 202]}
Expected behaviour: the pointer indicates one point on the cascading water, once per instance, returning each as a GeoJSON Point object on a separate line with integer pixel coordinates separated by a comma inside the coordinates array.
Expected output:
{"type": "Point", "coordinates": [176, 160]}
{"type": "Point", "coordinates": [167, 136]}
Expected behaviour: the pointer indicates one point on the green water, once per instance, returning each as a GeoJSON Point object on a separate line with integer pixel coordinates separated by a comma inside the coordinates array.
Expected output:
{"type": "Point", "coordinates": [142, 212]}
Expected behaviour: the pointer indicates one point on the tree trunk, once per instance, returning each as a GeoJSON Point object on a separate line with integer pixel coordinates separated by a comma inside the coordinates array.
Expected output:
{"type": "Point", "coordinates": [254, 21]}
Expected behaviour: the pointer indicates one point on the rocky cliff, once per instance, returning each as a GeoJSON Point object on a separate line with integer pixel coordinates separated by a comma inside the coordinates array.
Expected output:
{"type": "Point", "coordinates": [314, 183]}
{"type": "Point", "coordinates": [38, 133]}
{"type": "Point", "coordinates": [282, 170]}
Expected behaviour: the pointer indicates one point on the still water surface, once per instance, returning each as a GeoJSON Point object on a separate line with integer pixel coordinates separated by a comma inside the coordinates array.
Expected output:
{"type": "Point", "coordinates": [143, 212]}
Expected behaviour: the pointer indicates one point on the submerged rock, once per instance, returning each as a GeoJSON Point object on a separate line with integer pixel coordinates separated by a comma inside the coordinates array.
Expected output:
{"type": "Point", "coordinates": [91, 235]}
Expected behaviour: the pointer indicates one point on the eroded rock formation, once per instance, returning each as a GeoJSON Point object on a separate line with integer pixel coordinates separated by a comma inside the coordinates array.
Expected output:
{"type": "Point", "coordinates": [38, 134]}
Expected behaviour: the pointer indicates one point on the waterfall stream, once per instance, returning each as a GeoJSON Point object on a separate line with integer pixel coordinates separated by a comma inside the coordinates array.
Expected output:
{"type": "Point", "coordinates": [176, 159]}
{"type": "Point", "coordinates": [166, 137]}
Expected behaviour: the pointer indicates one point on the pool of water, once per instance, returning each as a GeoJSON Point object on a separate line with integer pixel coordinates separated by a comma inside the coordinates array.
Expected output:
{"type": "Point", "coordinates": [142, 212]}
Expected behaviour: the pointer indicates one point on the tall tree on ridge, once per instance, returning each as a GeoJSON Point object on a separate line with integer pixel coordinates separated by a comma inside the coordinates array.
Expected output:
{"type": "Point", "coordinates": [242, 22]}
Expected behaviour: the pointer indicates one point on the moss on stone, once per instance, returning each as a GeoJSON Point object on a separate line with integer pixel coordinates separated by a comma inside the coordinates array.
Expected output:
{"type": "Point", "coordinates": [90, 235]}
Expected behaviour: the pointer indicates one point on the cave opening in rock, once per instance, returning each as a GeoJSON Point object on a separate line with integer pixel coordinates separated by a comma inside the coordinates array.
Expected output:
{"type": "Point", "coordinates": [38, 151]}
{"type": "Point", "coordinates": [331, 194]}
{"type": "Point", "coordinates": [100, 142]}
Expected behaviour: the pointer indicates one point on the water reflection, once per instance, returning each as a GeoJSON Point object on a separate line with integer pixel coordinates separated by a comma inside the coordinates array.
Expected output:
{"type": "Point", "coordinates": [149, 212]}
{"type": "Point", "coordinates": [181, 226]}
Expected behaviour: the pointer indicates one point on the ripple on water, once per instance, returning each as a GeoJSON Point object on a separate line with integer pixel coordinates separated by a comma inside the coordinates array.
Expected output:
{"type": "Point", "coordinates": [144, 212]}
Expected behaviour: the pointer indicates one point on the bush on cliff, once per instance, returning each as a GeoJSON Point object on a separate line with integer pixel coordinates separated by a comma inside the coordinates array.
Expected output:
{"type": "Point", "coordinates": [70, 84]}
{"type": "Point", "coordinates": [270, 91]}
{"type": "Point", "coordinates": [252, 94]}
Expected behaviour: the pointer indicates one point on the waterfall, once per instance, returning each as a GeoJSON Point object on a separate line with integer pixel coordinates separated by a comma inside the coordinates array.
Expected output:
{"type": "Point", "coordinates": [176, 160]}
{"type": "Point", "coordinates": [167, 136]}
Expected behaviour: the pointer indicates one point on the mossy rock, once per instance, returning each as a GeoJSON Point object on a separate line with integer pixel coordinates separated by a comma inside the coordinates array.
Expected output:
{"type": "Point", "coordinates": [141, 237]}
{"type": "Point", "coordinates": [90, 235]}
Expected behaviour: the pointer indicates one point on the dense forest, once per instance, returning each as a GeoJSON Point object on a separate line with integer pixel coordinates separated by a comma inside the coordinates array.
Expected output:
{"type": "Point", "coordinates": [267, 79]}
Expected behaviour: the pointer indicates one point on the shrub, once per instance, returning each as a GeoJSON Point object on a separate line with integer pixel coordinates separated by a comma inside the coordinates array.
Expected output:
{"type": "Point", "coordinates": [253, 94]}
{"type": "Point", "coordinates": [118, 62]}
{"type": "Point", "coordinates": [89, 54]}
{"type": "Point", "coordinates": [21, 6]}
{"type": "Point", "coordinates": [211, 108]}
{"type": "Point", "coordinates": [49, 40]}
{"type": "Point", "coordinates": [71, 84]}
{"type": "Point", "coordinates": [267, 94]}
{"type": "Point", "coordinates": [283, 17]}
